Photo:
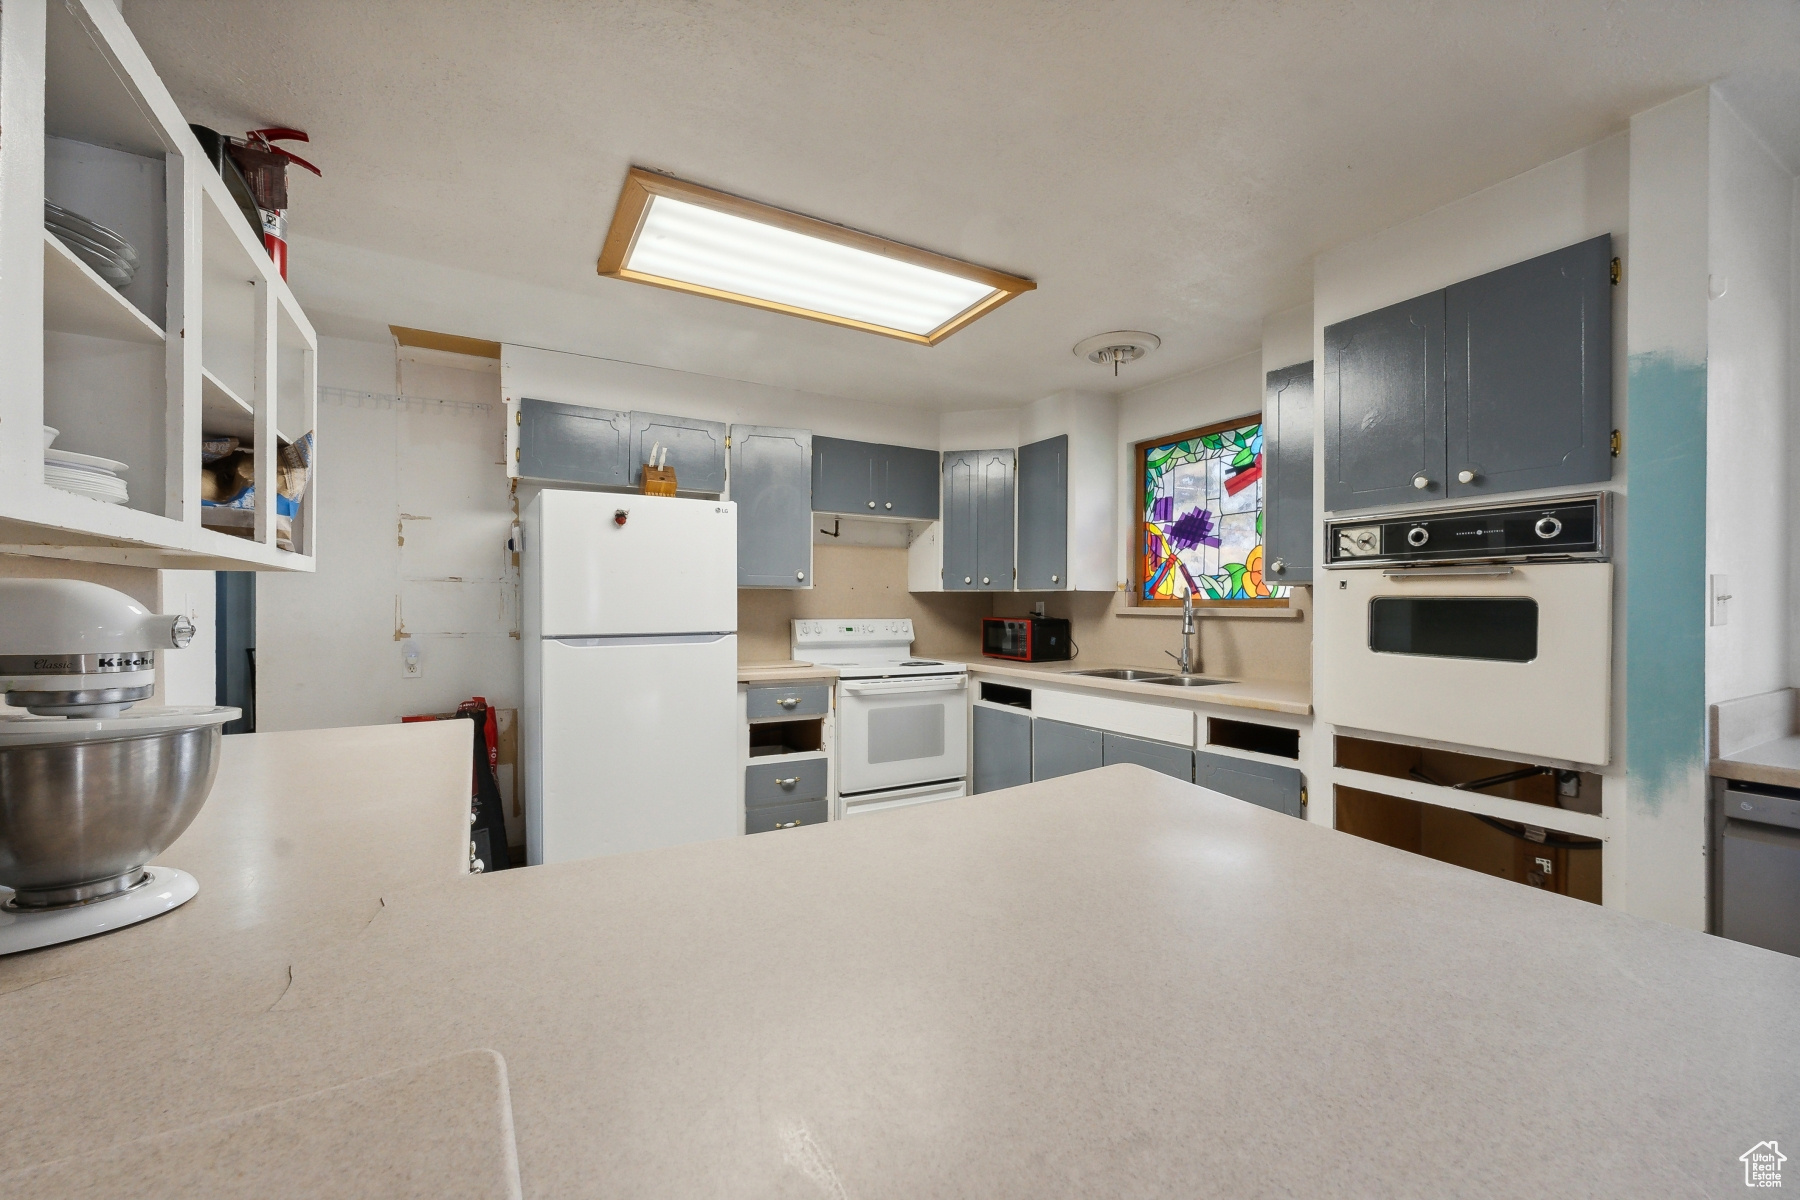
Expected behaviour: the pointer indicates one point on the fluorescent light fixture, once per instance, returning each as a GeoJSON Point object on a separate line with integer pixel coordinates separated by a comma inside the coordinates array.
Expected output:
{"type": "Point", "coordinates": [683, 236]}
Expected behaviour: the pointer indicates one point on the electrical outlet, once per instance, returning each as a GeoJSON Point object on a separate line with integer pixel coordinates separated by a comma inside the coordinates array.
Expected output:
{"type": "Point", "coordinates": [1720, 592]}
{"type": "Point", "coordinates": [412, 663]}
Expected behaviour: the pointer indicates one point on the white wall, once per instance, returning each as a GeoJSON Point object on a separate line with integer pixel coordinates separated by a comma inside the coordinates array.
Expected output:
{"type": "Point", "coordinates": [1748, 398]}
{"type": "Point", "coordinates": [1287, 338]}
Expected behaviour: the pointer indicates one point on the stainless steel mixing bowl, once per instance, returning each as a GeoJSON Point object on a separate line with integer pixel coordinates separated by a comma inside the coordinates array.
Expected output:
{"type": "Point", "coordinates": [80, 819]}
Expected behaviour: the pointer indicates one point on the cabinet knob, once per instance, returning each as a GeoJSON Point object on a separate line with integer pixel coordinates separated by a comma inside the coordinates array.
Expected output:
{"type": "Point", "coordinates": [1056, 579]}
{"type": "Point", "coordinates": [871, 504]}
{"type": "Point", "coordinates": [800, 575]}
{"type": "Point", "coordinates": [789, 701]}
{"type": "Point", "coordinates": [890, 504]}
{"type": "Point", "coordinates": [1420, 481]}
{"type": "Point", "coordinates": [790, 781]}
{"type": "Point", "coordinates": [1465, 476]}
{"type": "Point", "coordinates": [1278, 566]}
{"type": "Point", "coordinates": [984, 579]}
{"type": "Point", "coordinates": [966, 579]}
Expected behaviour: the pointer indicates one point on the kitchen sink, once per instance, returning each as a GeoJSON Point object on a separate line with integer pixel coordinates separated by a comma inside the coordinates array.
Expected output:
{"type": "Point", "coordinates": [1184, 681]}
{"type": "Point", "coordinates": [1126, 673]}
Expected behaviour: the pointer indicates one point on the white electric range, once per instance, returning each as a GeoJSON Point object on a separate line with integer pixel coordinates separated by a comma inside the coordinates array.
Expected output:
{"type": "Point", "coordinates": [903, 722]}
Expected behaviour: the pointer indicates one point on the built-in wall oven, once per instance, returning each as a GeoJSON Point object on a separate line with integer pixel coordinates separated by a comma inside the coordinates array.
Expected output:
{"type": "Point", "coordinates": [1490, 627]}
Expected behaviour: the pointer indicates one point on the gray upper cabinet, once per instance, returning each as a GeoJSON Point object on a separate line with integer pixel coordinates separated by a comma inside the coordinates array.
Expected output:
{"type": "Point", "coordinates": [1059, 748]}
{"type": "Point", "coordinates": [873, 480]}
{"type": "Point", "coordinates": [696, 450]}
{"type": "Point", "coordinates": [1044, 515]}
{"type": "Point", "coordinates": [1384, 406]}
{"type": "Point", "coordinates": [978, 520]}
{"type": "Point", "coordinates": [1169, 759]}
{"type": "Point", "coordinates": [771, 482]}
{"type": "Point", "coordinates": [1002, 748]}
{"type": "Point", "coordinates": [1528, 373]}
{"type": "Point", "coordinates": [1267, 784]}
{"type": "Point", "coordinates": [1287, 474]}
{"type": "Point", "coordinates": [572, 443]}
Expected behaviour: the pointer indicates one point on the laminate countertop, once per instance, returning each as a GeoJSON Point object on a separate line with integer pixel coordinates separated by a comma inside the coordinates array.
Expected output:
{"type": "Point", "coordinates": [1111, 983]}
{"type": "Point", "coordinates": [1269, 695]}
{"type": "Point", "coordinates": [785, 672]}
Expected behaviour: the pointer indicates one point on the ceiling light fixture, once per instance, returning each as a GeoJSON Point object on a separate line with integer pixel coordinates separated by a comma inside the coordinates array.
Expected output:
{"type": "Point", "coordinates": [679, 235]}
{"type": "Point", "coordinates": [1119, 346]}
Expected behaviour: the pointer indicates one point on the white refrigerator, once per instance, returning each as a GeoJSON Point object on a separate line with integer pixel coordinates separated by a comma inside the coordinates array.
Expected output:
{"type": "Point", "coordinates": [630, 714]}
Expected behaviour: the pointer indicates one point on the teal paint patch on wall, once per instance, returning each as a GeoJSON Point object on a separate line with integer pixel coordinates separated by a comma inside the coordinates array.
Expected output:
{"type": "Point", "coordinates": [1665, 577]}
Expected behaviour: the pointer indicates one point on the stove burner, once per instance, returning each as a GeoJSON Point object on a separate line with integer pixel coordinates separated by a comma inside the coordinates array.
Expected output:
{"type": "Point", "coordinates": [921, 662]}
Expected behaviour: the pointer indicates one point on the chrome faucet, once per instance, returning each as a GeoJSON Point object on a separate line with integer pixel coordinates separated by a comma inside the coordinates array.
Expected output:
{"type": "Point", "coordinates": [1190, 663]}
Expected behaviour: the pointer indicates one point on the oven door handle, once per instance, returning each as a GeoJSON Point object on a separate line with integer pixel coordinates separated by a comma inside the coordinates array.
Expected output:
{"type": "Point", "coordinates": [896, 687]}
{"type": "Point", "coordinates": [1448, 572]}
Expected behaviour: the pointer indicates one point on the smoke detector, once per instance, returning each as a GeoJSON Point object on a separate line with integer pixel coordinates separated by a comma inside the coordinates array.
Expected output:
{"type": "Point", "coordinates": [1120, 346]}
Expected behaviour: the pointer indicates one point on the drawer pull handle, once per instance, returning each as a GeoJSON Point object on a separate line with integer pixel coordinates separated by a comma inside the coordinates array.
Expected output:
{"type": "Point", "coordinates": [790, 781]}
{"type": "Point", "coordinates": [788, 825]}
{"type": "Point", "coordinates": [789, 701]}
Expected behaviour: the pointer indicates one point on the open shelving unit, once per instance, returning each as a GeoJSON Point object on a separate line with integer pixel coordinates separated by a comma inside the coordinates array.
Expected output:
{"type": "Point", "coordinates": [206, 339]}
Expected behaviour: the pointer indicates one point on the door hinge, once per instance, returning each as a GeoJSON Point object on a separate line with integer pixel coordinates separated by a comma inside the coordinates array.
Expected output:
{"type": "Point", "coordinates": [728, 441]}
{"type": "Point", "coordinates": [1617, 443]}
{"type": "Point", "coordinates": [515, 454]}
{"type": "Point", "coordinates": [1618, 271]}
{"type": "Point", "coordinates": [518, 416]}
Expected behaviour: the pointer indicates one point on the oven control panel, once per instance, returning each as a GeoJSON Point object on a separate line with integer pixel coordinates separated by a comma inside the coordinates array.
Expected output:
{"type": "Point", "coordinates": [1566, 528]}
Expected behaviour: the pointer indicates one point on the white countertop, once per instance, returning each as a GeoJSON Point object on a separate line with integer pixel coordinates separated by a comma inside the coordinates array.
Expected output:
{"type": "Point", "coordinates": [1266, 694]}
{"type": "Point", "coordinates": [1111, 983]}
{"type": "Point", "coordinates": [785, 672]}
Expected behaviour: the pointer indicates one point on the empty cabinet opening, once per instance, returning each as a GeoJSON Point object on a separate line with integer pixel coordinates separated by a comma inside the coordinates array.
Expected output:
{"type": "Point", "coordinates": [786, 737]}
{"type": "Point", "coordinates": [1576, 791]}
{"type": "Point", "coordinates": [1248, 735]}
{"type": "Point", "coordinates": [1562, 863]}
{"type": "Point", "coordinates": [999, 693]}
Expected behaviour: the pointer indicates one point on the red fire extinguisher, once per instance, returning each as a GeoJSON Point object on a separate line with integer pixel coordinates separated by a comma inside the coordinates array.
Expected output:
{"type": "Point", "coordinates": [265, 168]}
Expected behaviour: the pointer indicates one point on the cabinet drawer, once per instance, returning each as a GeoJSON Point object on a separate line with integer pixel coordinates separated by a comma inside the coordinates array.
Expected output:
{"type": "Point", "coordinates": [784, 782]}
{"type": "Point", "coordinates": [784, 816]}
{"type": "Point", "coordinates": [807, 700]}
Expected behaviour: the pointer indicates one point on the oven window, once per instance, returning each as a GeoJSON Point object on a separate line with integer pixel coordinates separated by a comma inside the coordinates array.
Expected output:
{"type": "Point", "coordinates": [1497, 629]}
{"type": "Point", "coordinates": [906, 732]}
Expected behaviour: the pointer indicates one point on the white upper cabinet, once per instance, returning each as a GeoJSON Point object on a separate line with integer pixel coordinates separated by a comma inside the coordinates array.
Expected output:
{"type": "Point", "coordinates": [205, 339]}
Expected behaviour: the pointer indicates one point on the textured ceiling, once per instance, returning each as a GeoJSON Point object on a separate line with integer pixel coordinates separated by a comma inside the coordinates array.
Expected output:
{"type": "Point", "coordinates": [1172, 167]}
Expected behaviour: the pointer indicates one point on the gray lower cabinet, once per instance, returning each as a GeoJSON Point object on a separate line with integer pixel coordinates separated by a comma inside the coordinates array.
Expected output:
{"type": "Point", "coordinates": [978, 520]}
{"type": "Point", "coordinates": [771, 482]}
{"type": "Point", "coordinates": [1044, 515]}
{"type": "Point", "coordinates": [1383, 383]}
{"type": "Point", "coordinates": [1165, 757]}
{"type": "Point", "coordinates": [1002, 749]}
{"type": "Point", "coordinates": [787, 700]}
{"type": "Point", "coordinates": [1528, 373]}
{"type": "Point", "coordinates": [572, 443]}
{"type": "Point", "coordinates": [1287, 475]}
{"type": "Point", "coordinates": [696, 450]}
{"type": "Point", "coordinates": [785, 782]}
{"type": "Point", "coordinates": [1267, 784]}
{"type": "Point", "coordinates": [1060, 748]}
{"type": "Point", "coordinates": [874, 480]}
{"type": "Point", "coordinates": [785, 816]}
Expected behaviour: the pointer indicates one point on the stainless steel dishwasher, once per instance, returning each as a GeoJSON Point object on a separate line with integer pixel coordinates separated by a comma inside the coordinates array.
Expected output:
{"type": "Point", "coordinates": [1755, 866]}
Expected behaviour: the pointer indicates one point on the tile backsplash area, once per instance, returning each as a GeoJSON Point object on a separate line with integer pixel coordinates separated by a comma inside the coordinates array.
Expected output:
{"type": "Point", "coordinates": [870, 581]}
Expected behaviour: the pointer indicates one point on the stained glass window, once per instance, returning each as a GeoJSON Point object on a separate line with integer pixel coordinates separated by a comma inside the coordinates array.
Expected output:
{"type": "Point", "coordinates": [1201, 525]}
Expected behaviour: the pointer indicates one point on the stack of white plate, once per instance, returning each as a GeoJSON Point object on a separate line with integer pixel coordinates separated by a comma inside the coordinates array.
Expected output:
{"type": "Point", "coordinates": [84, 474]}
{"type": "Point", "coordinates": [113, 258]}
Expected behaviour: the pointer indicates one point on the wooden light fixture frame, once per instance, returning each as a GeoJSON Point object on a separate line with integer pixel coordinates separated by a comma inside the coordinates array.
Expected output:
{"type": "Point", "coordinates": [642, 186]}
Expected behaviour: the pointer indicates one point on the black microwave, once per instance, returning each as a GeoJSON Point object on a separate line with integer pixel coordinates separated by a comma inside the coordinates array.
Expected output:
{"type": "Point", "coordinates": [1026, 639]}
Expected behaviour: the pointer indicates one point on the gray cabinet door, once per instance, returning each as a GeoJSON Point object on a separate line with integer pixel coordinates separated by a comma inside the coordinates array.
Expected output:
{"type": "Point", "coordinates": [1002, 749]}
{"type": "Point", "coordinates": [1165, 757]}
{"type": "Point", "coordinates": [771, 481]}
{"type": "Point", "coordinates": [1044, 515]}
{"type": "Point", "coordinates": [1528, 373]}
{"type": "Point", "coordinates": [961, 512]}
{"type": "Point", "coordinates": [1287, 475]}
{"type": "Point", "coordinates": [994, 520]}
{"type": "Point", "coordinates": [696, 450]}
{"type": "Point", "coordinates": [1261, 783]}
{"type": "Point", "coordinates": [1384, 406]}
{"type": "Point", "coordinates": [909, 483]}
{"type": "Point", "coordinates": [844, 476]}
{"type": "Point", "coordinates": [572, 443]}
{"type": "Point", "coordinates": [1059, 748]}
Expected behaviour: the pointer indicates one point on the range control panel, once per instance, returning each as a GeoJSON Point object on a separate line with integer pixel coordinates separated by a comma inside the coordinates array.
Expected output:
{"type": "Point", "coordinates": [835, 632]}
{"type": "Point", "coordinates": [1567, 528]}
